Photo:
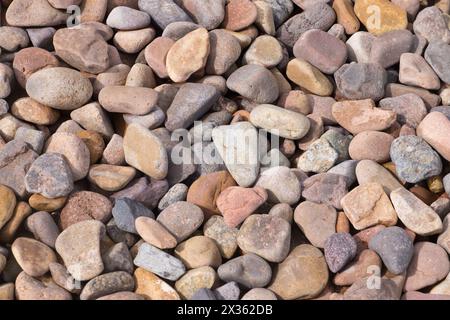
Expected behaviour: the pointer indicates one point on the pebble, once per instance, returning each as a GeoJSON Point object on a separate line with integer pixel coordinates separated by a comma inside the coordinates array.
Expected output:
{"type": "Point", "coordinates": [283, 211]}
{"type": "Point", "coordinates": [362, 115]}
{"type": "Point", "coordinates": [163, 12]}
{"type": "Point", "coordinates": [15, 159]}
{"type": "Point", "coordinates": [109, 177]}
{"type": "Point", "coordinates": [118, 258]}
{"type": "Point", "coordinates": [308, 77]}
{"type": "Point", "coordinates": [265, 17]}
{"type": "Point", "coordinates": [388, 48]}
{"type": "Point", "coordinates": [12, 39]}
{"type": "Point", "coordinates": [347, 170]}
{"type": "Point", "coordinates": [255, 83]}
{"type": "Point", "coordinates": [181, 219]}
{"type": "Point", "coordinates": [368, 171]}
{"type": "Point", "coordinates": [395, 248]}
{"type": "Point", "coordinates": [430, 23]}
{"type": "Point", "coordinates": [249, 270]}
{"type": "Point", "coordinates": [146, 191]}
{"type": "Point", "coordinates": [144, 151]}
{"type": "Point", "coordinates": [237, 203]}
{"type": "Point", "coordinates": [125, 18]}
{"type": "Point", "coordinates": [433, 130]}
{"type": "Point", "coordinates": [266, 236]}
{"type": "Point", "coordinates": [322, 50]}
{"type": "Point", "coordinates": [113, 152]}
{"type": "Point", "coordinates": [316, 221]}
{"type": "Point", "coordinates": [33, 256]}
{"type": "Point", "coordinates": [59, 88]}
{"type": "Point", "coordinates": [154, 233]}
{"type": "Point", "coordinates": [126, 211]}
{"type": "Point", "coordinates": [359, 81]}
{"type": "Point", "coordinates": [41, 203]}
{"type": "Point", "coordinates": [151, 287]}
{"type": "Point", "coordinates": [9, 231]}
{"type": "Point", "coordinates": [281, 184]}
{"type": "Point", "coordinates": [43, 227]}
{"type": "Point", "coordinates": [368, 205]}
{"type": "Point", "coordinates": [340, 142]}
{"type": "Point", "coordinates": [85, 205]}
{"type": "Point", "coordinates": [30, 13]}
{"type": "Point", "coordinates": [279, 121]}
{"type": "Point", "coordinates": [7, 204]}
{"type": "Point", "coordinates": [229, 291]}
{"type": "Point", "coordinates": [339, 250]}
{"type": "Point", "coordinates": [178, 29]}
{"type": "Point", "coordinates": [391, 17]}
{"type": "Point", "coordinates": [241, 159]}
{"type": "Point", "coordinates": [415, 214]}
{"type": "Point", "coordinates": [34, 138]}
{"type": "Point", "coordinates": [79, 247]}
{"type": "Point", "coordinates": [31, 111]}
{"type": "Point", "coordinates": [259, 294]}
{"type": "Point", "coordinates": [199, 251]}
{"type": "Point", "coordinates": [133, 41]}
{"type": "Point", "coordinates": [123, 295]}
{"type": "Point", "coordinates": [302, 275]}
{"type": "Point", "coordinates": [357, 269]}
{"type": "Point", "coordinates": [176, 193]}
{"type": "Point", "coordinates": [188, 55]}
{"type": "Point", "coordinates": [156, 53]}
{"type": "Point", "coordinates": [195, 279]}
{"type": "Point", "coordinates": [317, 16]}
{"type": "Point", "coordinates": [319, 157]}
{"type": "Point", "coordinates": [265, 51]}
{"type": "Point", "coordinates": [444, 237]}
{"type": "Point", "coordinates": [409, 107]}
{"type": "Point", "coordinates": [190, 103]}
{"type": "Point", "coordinates": [126, 99]}
{"type": "Point", "coordinates": [428, 266]}
{"type": "Point", "coordinates": [325, 188]}
{"type": "Point", "coordinates": [414, 167]}
{"type": "Point", "coordinates": [395, 89]}
{"type": "Point", "coordinates": [223, 235]}
{"type": "Point", "coordinates": [371, 145]}
{"type": "Point", "coordinates": [159, 262]}
{"type": "Point", "coordinates": [437, 55]}
{"type": "Point", "coordinates": [29, 288]}
{"type": "Point", "coordinates": [41, 37]}
{"type": "Point", "coordinates": [239, 14]}
{"type": "Point", "coordinates": [415, 71]}
{"type": "Point", "coordinates": [346, 16]}
{"type": "Point", "coordinates": [106, 284]}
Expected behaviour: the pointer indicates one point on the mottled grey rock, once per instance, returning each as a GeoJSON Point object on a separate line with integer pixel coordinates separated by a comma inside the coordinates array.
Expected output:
{"type": "Point", "coordinates": [249, 270]}
{"type": "Point", "coordinates": [191, 102]}
{"type": "Point", "coordinates": [327, 188]}
{"type": "Point", "coordinates": [118, 258]}
{"type": "Point", "coordinates": [359, 81]}
{"type": "Point", "coordinates": [229, 291]}
{"type": "Point", "coordinates": [437, 55]}
{"type": "Point", "coordinates": [207, 158]}
{"type": "Point", "coordinates": [117, 235]}
{"type": "Point", "coordinates": [106, 284]}
{"type": "Point", "coordinates": [339, 141]}
{"type": "Point", "coordinates": [347, 169]}
{"type": "Point", "coordinates": [409, 107]}
{"type": "Point", "coordinates": [395, 248]}
{"type": "Point", "coordinates": [207, 13]}
{"type": "Point", "coordinates": [126, 18]}
{"type": "Point", "coordinates": [318, 16]}
{"type": "Point", "coordinates": [414, 159]}
{"type": "Point", "coordinates": [388, 47]}
{"type": "Point", "coordinates": [163, 12]}
{"type": "Point", "coordinates": [340, 249]}
{"type": "Point", "coordinates": [255, 83]}
{"type": "Point", "coordinates": [126, 211]}
{"type": "Point", "coordinates": [203, 294]}
{"type": "Point", "coordinates": [177, 193]}
{"type": "Point", "coordinates": [144, 190]}
{"type": "Point", "coordinates": [431, 24]}
{"type": "Point", "coordinates": [50, 175]}
{"type": "Point", "coordinates": [320, 157]}
{"type": "Point", "coordinates": [159, 262]}
{"type": "Point", "coordinates": [281, 184]}
{"type": "Point", "coordinates": [34, 138]}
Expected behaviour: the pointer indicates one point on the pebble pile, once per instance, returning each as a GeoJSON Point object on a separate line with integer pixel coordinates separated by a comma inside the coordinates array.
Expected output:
{"type": "Point", "coordinates": [317, 135]}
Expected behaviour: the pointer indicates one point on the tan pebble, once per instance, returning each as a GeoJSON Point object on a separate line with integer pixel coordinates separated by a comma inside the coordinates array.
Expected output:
{"type": "Point", "coordinates": [140, 75]}
{"type": "Point", "coordinates": [195, 279]}
{"type": "Point", "coordinates": [371, 145]}
{"type": "Point", "coordinates": [309, 77]}
{"type": "Point", "coordinates": [111, 178]}
{"type": "Point", "coordinates": [94, 143]}
{"type": "Point", "coordinates": [7, 204]}
{"type": "Point", "coordinates": [239, 14]}
{"type": "Point", "coordinates": [342, 223]}
{"type": "Point", "coordinates": [21, 212]}
{"type": "Point", "coordinates": [346, 15]}
{"type": "Point", "coordinates": [151, 287]}
{"type": "Point", "coordinates": [155, 233]}
{"type": "Point", "coordinates": [40, 203]}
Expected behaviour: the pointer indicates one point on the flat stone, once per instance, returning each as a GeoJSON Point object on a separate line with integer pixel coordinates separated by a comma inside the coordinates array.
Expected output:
{"type": "Point", "coordinates": [317, 16]}
{"type": "Point", "coordinates": [156, 53]}
{"type": "Point", "coordinates": [415, 214]}
{"type": "Point", "coordinates": [163, 12]}
{"type": "Point", "coordinates": [371, 145]}
{"type": "Point", "coordinates": [359, 81]}
{"type": "Point", "coordinates": [145, 152]}
{"type": "Point", "coordinates": [126, 99]}
{"type": "Point", "coordinates": [178, 29]}
{"type": "Point", "coordinates": [414, 159]}
{"type": "Point", "coordinates": [428, 266]}
{"type": "Point", "coordinates": [41, 203]}
{"type": "Point", "coordinates": [118, 258]}
{"type": "Point", "coordinates": [359, 46]}
{"type": "Point", "coordinates": [79, 247]}
{"type": "Point", "coordinates": [395, 248]}
{"type": "Point", "coordinates": [391, 17]}
{"type": "Point", "coordinates": [265, 235]}
{"type": "Point", "coordinates": [229, 291]}
{"type": "Point", "coordinates": [126, 211]}
{"type": "Point", "coordinates": [368, 205]}
{"type": "Point", "coordinates": [32, 111]}
{"type": "Point", "coordinates": [358, 116]}
{"type": "Point", "coordinates": [74, 150]}
{"type": "Point", "coordinates": [328, 57]}
{"type": "Point", "coordinates": [415, 71]}
{"type": "Point", "coordinates": [30, 13]}
{"type": "Point", "coordinates": [237, 203]}
{"type": "Point", "coordinates": [144, 190]}
{"type": "Point", "coordinates": [191, 102]}
{"type": "Point", "coordinates": [409, 107]}
{"type": "Point", "coordinates": [41, 37]}
{"type": "Point", "coordinates": [109, 177]}
{"type": "Point", "coordinates": [303, 275]}
{"type": "Point", "coordinates": [33, 256]}
{"type": "Point", "coordinates": [188, 55]}
{"type": "Point", "coordinates": [437, 55]}
{"type": "Point", "coordinates": [388, 48]}
{"type": "Point", "coordinates": [151, 287]}
{"type": "Point", "coordinates": [434, 129]}
{"type": "Point", "coordinates": [281, 184]}
{"type": "Point", "coordinates": [43, 227]}
{"type": "Point", "coordinates": [346, 16]}
{"type": "Point", "coordinates": [249, 270]}
{"type": "Point", "coordinates": [395, 89]}
{"type": "Point", "coordinates": [154, 233]}
{"type": "Point", "coordinates": [279, 121]}
{"type": "Point", "coordinates": [347, 170]}
{"type": "Point", "coordinates": [316, 221]}
{"type": "Point", "coordinates": [125, 18]}
{"type": "Point", "coordinates": [319, 157]}
{"type": "Point", "coordinates": [340, 142]}
{"type": "Point", "coordinates": [309, 77]}
{"type": "Point", "coordinates": [340, 249]}
{"type": "Point", "coordinates": [195, 279]}
{"type": "Point", "coordinates": [15, 159]}
{"type": "Point", "coordinates": [133, 41]}
{"type": "Point", "coordinates": [113, 152]}
{"type": "Point", "coordinates": [106, 284]}
{"type": "Point", "coordinates": [224, 236]}
{"type": "Point", "coordinates": [59, 88]}
{"type": "Point", "coordinates": [176, 193]}
{"type": "Point", "coordinates": [209, 14]}
{"type": "Point", "coordinates": [34, 138]}
{"type": "Point", "coordinates": [254, 82]}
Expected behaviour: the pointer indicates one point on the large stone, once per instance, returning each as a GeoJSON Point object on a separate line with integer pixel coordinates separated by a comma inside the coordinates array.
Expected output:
{"type": "Point", "coordinates": [126, 99]}
{"type": "Point", "coordinates": [368, 171]}
{"type": "Point", "coordinates": [34, 13]}
{"type": "Point", "coordinates": [163, 12]}
{"type": "Point", "coordinates": [438, 56]}
{"type": "Point", "coordinates": [151, 287]}
{"type": "Point", "coordinates": [33, 256]}
{"type": "Point", "coordinates": [281, 184]}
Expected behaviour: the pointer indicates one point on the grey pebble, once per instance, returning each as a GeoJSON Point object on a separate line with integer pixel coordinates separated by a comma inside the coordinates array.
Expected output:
{"type": "Point", "coordinates": [126, 211]}
{"type": "Point", "coordinates": [340, 249]}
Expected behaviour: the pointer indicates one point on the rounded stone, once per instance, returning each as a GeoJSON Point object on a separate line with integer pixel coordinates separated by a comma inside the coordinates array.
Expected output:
{"type": "Point", "coordinates": [109, 177]}
{"type": "Point", "coordinates": [43, 227]}
{"type": "Point", "coordinates": [410, 108]}
{"type": "Point", "coordinates": [126, 18]}
{"type": "Point", "coordinates": [281, 185]}
{"type": "Point", "coordinates": [371, 145]}
{"type": "Point", "coordinates": [224, 236]}
{"type": "Point", "coordinates": [309, 77]}
{"type": "Point", "coordinates": [133, 41]}
{"type": "Point", "coordinates": [265, 51]}
{"type": "Point", "coordinates": [106, 284]}
{"type": "Point", "coordinates": [130, 100]}
{"type": "Point", "coordinates": [259, 294]}
{"type": "Point", "coordinates": [225, 51]}
{"type": "Point", "coordinates": [59, 88]}
{"type": "Point", "coordinates": [33, 256]}
{"type": "Point", "coordinates": [29, 288]}
{"type": "Point", "coordinates": [151, 287]}
{"type": "Point", "coordinates": [155, 233]}
{"type": "Point", "coordinates": [340, 249]}
{"type": "Point", "coordinates": [195, 279]}
{"type": "Point", "coordinates": [7, 204]}
{"type": "Point", "coordinates": [198, 252]}
{"type": "Point", "coordinates": [239, 14]}
{"type": "Point", "coordinates": [32, 111]}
